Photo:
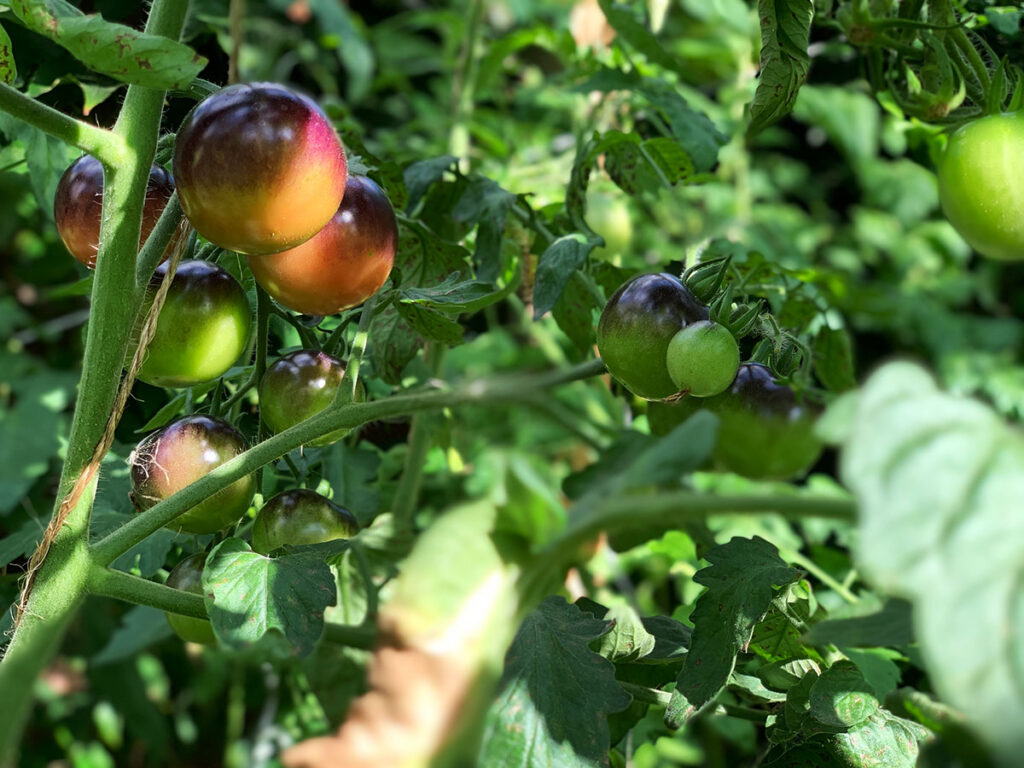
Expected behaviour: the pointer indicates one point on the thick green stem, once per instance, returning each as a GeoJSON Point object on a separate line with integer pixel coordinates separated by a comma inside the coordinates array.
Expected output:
{"type": "Point", "coordinates": [505, 390]}
{"type": "Point", "coordinates": [98, 142]}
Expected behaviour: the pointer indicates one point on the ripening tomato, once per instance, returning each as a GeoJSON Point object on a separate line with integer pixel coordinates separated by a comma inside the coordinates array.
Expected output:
{"type": "Point", "coordinates": [179, 454]}
{"type": "Point", "coordinates": [981, 185]}
{"type": "Point", "coordinates": [78, 205]}
{"type": "Point", "coordinates": [344, 264]}
{"type": "Point", "coordinates": [299, 517]}
{"type": "Point", "coordinates": [188, 577]}
{"type": "Point", "coordinates": [259, 168]}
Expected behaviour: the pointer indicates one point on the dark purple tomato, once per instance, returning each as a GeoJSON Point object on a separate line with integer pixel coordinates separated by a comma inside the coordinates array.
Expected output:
{"type": "Point", "coordinates": [635, 329]}
{"type": "Point", "coordinates": [259, 168]}
{"type": "Point", "coordinates": [299, 385]}
{"type": "Point", "coordinates": [342, 265]}
{"type": "Point", "coordinates": [188, 577]}
{"type": "Point", "coordinates": [203, 326]}
{"type": "Point", "coordinates": [78, 204]}
{"type": "Point", "coordinates": [300, 517]}
{"type": "Point", "coordinates": [178, 455]}
{"type": "Point", "coordinates": [764, 432]}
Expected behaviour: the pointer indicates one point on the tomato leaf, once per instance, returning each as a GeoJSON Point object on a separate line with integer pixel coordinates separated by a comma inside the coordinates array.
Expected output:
{"type": "Point", "coordinates": [938, 479]}
{"type": "Point", "coordinates": [112, 49]}
{"type": "Point", "coordinates": [889, 626]}
{"type": "Point", "coordinates": [742, 581]}
{"type": "Point", "coordinates": [248, 595]}
{"type": "Point", "coordinates": [8, 69]}
{"type": "Point", "coordinates": [532, 723]}
{"type": "Point", "coordinates": [623, 20]}
{"type": "Point", "coordinates": [785, 32]}
{"type": "Point", "coordinates": [556, 267]}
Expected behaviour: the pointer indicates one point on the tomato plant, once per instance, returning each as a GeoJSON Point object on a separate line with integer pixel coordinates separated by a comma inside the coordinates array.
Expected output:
{"type": "Point", "coordinates": [299, 517]}
{"type": "Point", "coordinates": [341, 266]}
{"type": "Point", "coordinates": [79, 200]}
{"type": "Point", "coordinates": [203, 327]}
{"type": "Point", "coordinates": [636, 326]}
{"type": "Point", "coordinates": [259, 168]}
{"type": "Point", "coordinates": [980, 184]}
{"type": "Point", "coordinates": [181, 453]}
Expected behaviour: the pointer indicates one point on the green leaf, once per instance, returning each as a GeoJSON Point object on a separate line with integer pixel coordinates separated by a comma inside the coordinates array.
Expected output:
{"type": "Point", "coordinates": [430, 323]}
{"type": "Point", "coordinates": [623, 21]}
{"type": "Point", "coordinates": [22, 542]}
{"type": "Point", "coordinates": [878, 665]}
{"type": "Point", "coordinates": [557, 265]}
{"type": "Point", "coordinates": [141, 627]}
{"type": "Point", "coordinates": [742, 580]}
{"type": "Point", "coordinates": [574, 312]}
{"type": "Point", "coordinates": [778, 636]}
{"type": "Point", "coordinates": [841, 697]}
{"type": "Point", "coordinates": [112, 49]}
{"type": "Point", "coordinates": [785, 32]}
{"type": "Point", "coordinates": [8, 69]}
{"type": "Point", "coordinates": [681, 451]}
{"type": "Point", "coordinates": [248, 595]}
{"type": "Point", "coordinates": [456, 296]}
{"type": "Point", "coordinates": [890, 626]}
{"type": "Point", "coordinates": [638, 166]}
{"type": "Point", "coordinates": [533, 722]}
{"type": "Point", "coordinates": [937, 479]}
{"type": "Point", "coordinates": [342, 34]}
{"type": "Point", "coordinates": [884, 741]}
{"type": "Point", "coordinates": [352, 473]}
{"type": "Point", "coordinates": [833, 359]}
{"type": "Point", "coordinates": [628, 639]}
{"type": "Point", "coordinates": [47, 159]}
{"type": "Point", "coordinates": [420, 176]}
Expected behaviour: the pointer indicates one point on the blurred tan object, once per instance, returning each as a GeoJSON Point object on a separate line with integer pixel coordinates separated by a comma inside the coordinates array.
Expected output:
{"type": "Point", "coordinates": [588, 25]}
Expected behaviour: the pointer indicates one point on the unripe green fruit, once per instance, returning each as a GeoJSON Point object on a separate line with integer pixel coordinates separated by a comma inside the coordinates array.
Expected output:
{"type": "Point", "coordinates": [703, 358]}
{"type": "Point", "coordinates": [300, 517]}
{"type": "Point", "coordinates": [188, 577]}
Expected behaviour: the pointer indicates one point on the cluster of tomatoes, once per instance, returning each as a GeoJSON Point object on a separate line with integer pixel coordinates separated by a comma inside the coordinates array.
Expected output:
{"type": "Point", "coordinates": [656, 339]}
{"type": "Point", "coordinates": [259, 170]}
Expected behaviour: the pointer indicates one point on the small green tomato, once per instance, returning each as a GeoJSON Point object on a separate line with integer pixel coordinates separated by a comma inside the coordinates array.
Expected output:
{"type": "Point", "coordinates": [703, 358]}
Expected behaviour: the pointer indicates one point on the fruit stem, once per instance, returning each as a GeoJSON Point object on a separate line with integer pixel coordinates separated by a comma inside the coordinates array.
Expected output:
{"type": "Point", "coordinates": [156, 244]}
{"type": "Point", "coordinates": [506, 389]}
{"type": "Point", "coordinates": [102, 144]}
{"type": "Point", "coordinates": [350, 381]}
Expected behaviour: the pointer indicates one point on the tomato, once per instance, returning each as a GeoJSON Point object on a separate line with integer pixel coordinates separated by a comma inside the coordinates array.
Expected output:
{"type": "Point", "coordinates": [344, 264]}
{"type": "Point", "coordinates": [300, 517]}
{"type": "Point", "coordinates": [635, 329]}
{"type": "Point", "coordinates": [703, 359]}
{"type": "Point", "coordinates": [188, 577]}
{"type": "Point", "coordinates": [764, 433]}
{"type": "Point", "coordinates": [178, 455]}
{"type": "Point", "coordinates": [299, 385]}
{"type": "Point", "coordinates": [203, 326]}
{"type": "Point", "coordinates": [78, 204]}
{"type": "Point", "coordinates": [259, 168]}
{"type": "Point", "coordinates": [981, 185]}
{"type": "Point", "coordinates": [609, 217]}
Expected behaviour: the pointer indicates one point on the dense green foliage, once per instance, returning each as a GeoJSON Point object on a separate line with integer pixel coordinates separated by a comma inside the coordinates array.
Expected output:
{"type": "Point", "coordinates": [522, 559]}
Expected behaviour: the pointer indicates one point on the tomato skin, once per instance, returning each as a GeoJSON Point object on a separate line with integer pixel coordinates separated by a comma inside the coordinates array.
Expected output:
{"type": "Point", "coordinates": [300, 517]}
{"type": "Point", "coordinates": [635, 329]}
{"type": "Point", "coordinates": [188, 577]}
{"type": "Point", "coordinates": [203, 328]}
{"type": "Point", "coordinates": [179, 454]}
{"type": "Point", "coordinates": [78, 204]}
{"type": "Point", "coordinates": [703, 358]}
{"type": "Point", "coordinates": [299, 385]}
{"type": "Point", "coordinates": [981, 185]}
{"type": "Point", "coordinates": [343, 264]}
{"type": "Point", "coordinates": [259, 168]}
{"type": "Point", "coordinates": [764, 433]}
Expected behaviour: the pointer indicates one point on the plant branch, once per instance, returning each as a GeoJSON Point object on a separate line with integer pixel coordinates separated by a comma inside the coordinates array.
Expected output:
{"type": "Point", "coordinates": [100, 143]}
{"type": "Point", "coordinates": [169, 223]}
{"type": "Point", "coordinates": [504, 390]}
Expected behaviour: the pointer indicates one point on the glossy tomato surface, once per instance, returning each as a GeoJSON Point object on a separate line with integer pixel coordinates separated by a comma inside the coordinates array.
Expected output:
{"type": "Point", "coordinates": [344, 264]}
{"type": "Point", "coordinates": [703, 358]}
{"type": "Point", "coordinates": [764, 432]}
{"type": "Point", "coordinates": [299, 385]}
{"type": "Point", "coordinates": [188, 577]}
{"type": "Point", "coordinates": [203, 327]}
{"type": "Point", "coordinates": [259, 168]}
{"type": "Point", "coordinates": [981, 185]}
{"type": "Point", "coordinates": [78, 205]}
{"type": "Point", "coordinates": [635, 329]}
{"type": "Point", "coordinates": [178, 455]}
{"type": "Point", "coordinates": [300, 517]}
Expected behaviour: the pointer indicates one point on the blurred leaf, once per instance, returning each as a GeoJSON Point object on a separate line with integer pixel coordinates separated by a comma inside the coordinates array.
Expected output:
{"type": "Point", "coordinates": [141, 627]}
{"type": "Point", "coordinates": [112, 49]}
{"type": "Point", "coordinates": [623, 21]}
{"type": "Point", "coordinates": [785, 32]}
{"type": "Point", "coordinates": [833, 359]}
{"type": "Point", "coordinates": [352, 473]}
{"type": "Point", "coordinates": [248, 595]}
{"type": "Point", "coordinates": [22, 542]}
{"type": "Point", "coordinates": [891, 626]}
{"type": "Point", "coordinates": [47, 159]}
{"type": "Point", "coordinates": [935, 478]}
{"type": "Point", "coordinates": [742, 580]}
{"type": "Point", "coordinates": [532, 723]}
{"type": "Point", "coordinates": [849, 118]}
{"type": "Point", "coordinates": [340, 34]}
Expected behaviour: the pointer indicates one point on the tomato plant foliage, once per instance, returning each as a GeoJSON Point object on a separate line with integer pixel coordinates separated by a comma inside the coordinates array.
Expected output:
{"type": "Point", "coordinates": [423, 524]}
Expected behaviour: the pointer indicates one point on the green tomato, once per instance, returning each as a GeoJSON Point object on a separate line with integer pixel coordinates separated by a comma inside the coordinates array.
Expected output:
{"type": "Point", "coordinates": [763, 432]}
{"type": "Point", "coordinates": [981, 185]}
{"type": "Point", "coordinates": [300, 385]}
{"type": "Point", "coordinates": [188, 577]}
{"type": "Point", "coordinates": [300, 517]}
{"type": "Point", "coordinates": [203, 326]}
{"type": "Point", "coordinates": [609, 217]}
{"type": "Point", "coordinates": [635, 329]}
{"type": "Point", "coordinates": [703, 358]}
